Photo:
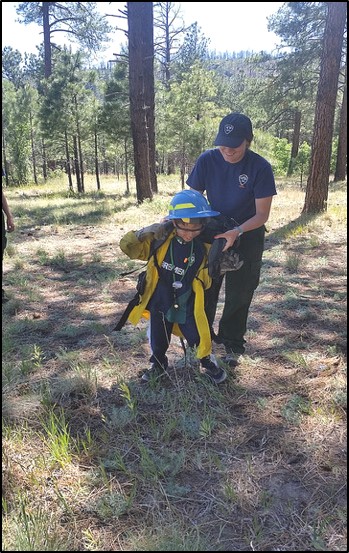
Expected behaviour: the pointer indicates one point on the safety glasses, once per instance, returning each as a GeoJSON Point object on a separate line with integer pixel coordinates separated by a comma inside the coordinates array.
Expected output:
{"type": "Point", "coordinates": [198, 229]}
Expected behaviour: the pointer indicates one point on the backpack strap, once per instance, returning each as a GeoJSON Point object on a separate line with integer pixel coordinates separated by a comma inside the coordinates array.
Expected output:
{"type": "Point", "coordinates": [135, 301]}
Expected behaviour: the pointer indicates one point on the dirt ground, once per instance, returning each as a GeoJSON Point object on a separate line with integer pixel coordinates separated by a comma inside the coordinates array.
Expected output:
{"type": "Point", "coordinates": [285, 441]}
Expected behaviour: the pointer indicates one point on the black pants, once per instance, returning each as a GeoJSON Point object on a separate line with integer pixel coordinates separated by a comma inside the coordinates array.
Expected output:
{"type": "Point", "coordinates": [239, 289]}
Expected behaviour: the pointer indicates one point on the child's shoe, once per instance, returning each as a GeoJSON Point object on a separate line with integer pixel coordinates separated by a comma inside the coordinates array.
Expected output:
{"type": "Point", "coordinates": [210, 368]}
{"type": "Point", "coordinates": [153, 373]}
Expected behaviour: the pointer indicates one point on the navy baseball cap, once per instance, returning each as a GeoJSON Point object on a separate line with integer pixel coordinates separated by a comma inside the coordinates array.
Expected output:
{"type": "Point", "coordinates": [233, 130]}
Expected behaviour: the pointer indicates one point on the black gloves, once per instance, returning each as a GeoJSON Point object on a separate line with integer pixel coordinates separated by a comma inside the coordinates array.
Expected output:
{"type": "Point", "coordinates": [220, 262]}
{"type": "Point", "coordinates": [157, 231]}
{"type": "Point", "coordinates": [230, 261]}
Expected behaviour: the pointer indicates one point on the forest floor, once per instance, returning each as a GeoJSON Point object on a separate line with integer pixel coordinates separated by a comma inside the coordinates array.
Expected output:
{"type": "Point", "coordinates": [94, 459]}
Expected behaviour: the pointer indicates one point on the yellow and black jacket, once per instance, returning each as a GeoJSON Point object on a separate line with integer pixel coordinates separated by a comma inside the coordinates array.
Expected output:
{"type": "Point", "coordinates": [135, 249]}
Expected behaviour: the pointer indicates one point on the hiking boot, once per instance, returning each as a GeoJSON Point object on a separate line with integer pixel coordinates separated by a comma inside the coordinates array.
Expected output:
{"type": "Point", "coordinates": [232, 359]}
{"type": "Point", "coordinates": [210, 368]}
{"type": "Point", "coordinates": [153, 373]}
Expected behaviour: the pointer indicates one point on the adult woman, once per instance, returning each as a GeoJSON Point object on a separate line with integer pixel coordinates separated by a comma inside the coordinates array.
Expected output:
{"type": "Point", "coordinates": [240, 185]}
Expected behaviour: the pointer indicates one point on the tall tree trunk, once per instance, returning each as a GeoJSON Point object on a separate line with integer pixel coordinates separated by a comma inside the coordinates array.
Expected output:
{"type": "Point", "coordinates": [96, 161]}
{"type": "Point", "coordinates": [149, 91]}
{"type": "Point", "coordinates": [137, 16]}
{"type": "Point", "coordinates": [70, 180]}
{"type": "Point", "coordinates": [295, 141]}
{"type": "Point", "coordinates": [126, 169]}
{"type": "Point", "coordinates": [317, 185]}
{"type": "Point", "coordinates": [44, 160]}
{"type": "Point", "coordinates": [167, 53]}
{"type": "Point", "coordinates": [4, 154]}
{"type": "Point", "coordinates": [80, 158]}
{"type": "Point", "coordinates": [77, 164]}
{"type": "Point", "coordinates": [341, 163]}
{"type": "Point", "coordinates": [182, 168]}
{"type": "Point", "coordinates": [81, 164]}
{"type": "Point", "coordinates": [33, 147]}
{"type": "Point", "coordinates": [47, 38]}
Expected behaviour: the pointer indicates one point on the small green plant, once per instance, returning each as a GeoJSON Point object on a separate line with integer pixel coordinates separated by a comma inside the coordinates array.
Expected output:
{"type": "Point", "coordinates": [229, 492]}
{"type": "Point", "coordinates": [11, 250]}
{"type": "Point", "coordinates": [96, 257]}
{"type": "Point", "coordinates": [32, 529]}
{"type": "Point", "coordinates": [67, 358]}
{"type": "Point", "coordinates": [206, 426]}
{"type": "Point", "coordinates": [295, 408]}
{"type": "Point", "coordinates": [340, 398]}
{"type": "Point", "coordinates": [91, 543]}
{"type": "Point", "coordinates": [116, 461]}
{"type": "Point", "coordinates": [25, 367]}
{"type": "Point", "coordinates": [112, 505]}
{"type": "Point", "coordinates": [43, 256]}
{"type": "Point", "coordinates": [88, 375]}
{"type": "Point", "coordinates": [59, 260]}
{"type": "Point", "coordinates": [314, 241]}
{"type": "Point", "coordinates": [293, 262]}
{"type": "Point", "coordinates": [57, 438]}
{"type": "Point", "coordinates": [86, 445]}
{"type": "Point", "coordinates": [126, 394]}
{"type": "Point", "coordinates": [168, 428]}
{"type": "Point", "coordinates": [34, 362]}
{"type": "Point", "coordinates": [71, 331]}
{"type": "Point", "coordinates": [19, 264]}
{"type": "Point", "coordinates": [8, 373]}
{"type": "Point", "coordinates": [148, 465]}
{"type": "Point", "coordinates": [297, 358]}
{"type": "Point", "coordinates": [262, 402]}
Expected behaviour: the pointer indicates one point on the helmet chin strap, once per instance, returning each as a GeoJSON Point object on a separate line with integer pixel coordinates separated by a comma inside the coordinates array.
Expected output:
{"type": "Point", "coordinates": [180, 240]}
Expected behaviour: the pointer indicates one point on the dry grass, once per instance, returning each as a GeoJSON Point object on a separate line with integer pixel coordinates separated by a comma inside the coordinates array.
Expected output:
{"type": "Point", "coordinates": [93, 459]}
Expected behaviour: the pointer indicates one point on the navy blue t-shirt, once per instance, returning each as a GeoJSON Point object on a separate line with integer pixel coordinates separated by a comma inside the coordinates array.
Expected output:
{"type": "Point", "coordinates": [232, 188]}
{"type": "Point", "coordinates": [183, 269]}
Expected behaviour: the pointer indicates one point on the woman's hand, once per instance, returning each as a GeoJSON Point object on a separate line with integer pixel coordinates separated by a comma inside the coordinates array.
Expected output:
{"type": "Point", "coordinates": [230, 237]}
{"type": "Point", "coordinates": [10, 224]}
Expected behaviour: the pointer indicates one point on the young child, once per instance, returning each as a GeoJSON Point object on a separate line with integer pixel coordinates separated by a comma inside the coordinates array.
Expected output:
{"type": "Point", "coordinates": [176, 278]}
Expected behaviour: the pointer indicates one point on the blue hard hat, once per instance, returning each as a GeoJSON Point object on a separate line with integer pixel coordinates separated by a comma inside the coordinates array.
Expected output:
{"type": "Point", "coordinates": [190, 204]}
